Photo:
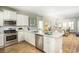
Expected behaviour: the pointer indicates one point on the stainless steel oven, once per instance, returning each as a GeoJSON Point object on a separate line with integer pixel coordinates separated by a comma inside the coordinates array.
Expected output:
{"type": "Point", "coordinates": [10, 37]}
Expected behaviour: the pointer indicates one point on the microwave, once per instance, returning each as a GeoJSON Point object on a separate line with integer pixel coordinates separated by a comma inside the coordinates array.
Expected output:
{"type": "Point", "coordinates": [9, 23]}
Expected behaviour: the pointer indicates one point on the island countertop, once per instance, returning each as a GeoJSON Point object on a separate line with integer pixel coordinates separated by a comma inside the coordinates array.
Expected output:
{"type": "Point", "coordinates": [55, 35]}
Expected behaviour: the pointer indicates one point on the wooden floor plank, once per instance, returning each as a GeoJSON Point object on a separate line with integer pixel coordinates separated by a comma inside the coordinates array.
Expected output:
{"type": "Point", "coordinates": [22, 47]}
{"type": "Point", "coordinates": [70, 45]}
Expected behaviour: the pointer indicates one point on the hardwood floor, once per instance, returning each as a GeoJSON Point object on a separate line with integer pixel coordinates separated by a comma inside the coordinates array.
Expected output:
{"type": "Point", "coordinates": [71, 44]}
{"type": "Point", "coordinates": [22, 47]}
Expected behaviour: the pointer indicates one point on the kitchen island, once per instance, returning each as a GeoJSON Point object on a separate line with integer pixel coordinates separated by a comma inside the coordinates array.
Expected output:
{"type": "Point", "coordinates": [53, 43]}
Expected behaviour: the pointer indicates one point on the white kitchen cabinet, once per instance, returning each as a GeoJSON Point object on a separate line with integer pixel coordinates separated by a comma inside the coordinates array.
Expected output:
{"type": "Point", "coordinates": [20, 36]}
{"type": "Point", "coordinates": [30, 37]}
{"type": "Point", "coordinates": [1, 40]}
{"type": "Point", "coordinates": [46, 44]}
{"type": "Point", "coordinates": [19, 20]}
{"type": "Point", "coordinates": [1, 18]}
{"type": "Point", "coordinates": [9, 15]}
{"type": "Point", "coordinates": [59, 45]}
{"type": "Point", "coordinates": [52, 45]}
{"type": "Point", "coordinates": [26, 20]}
{"type": "Point", "coordinates": [26, 36]}
{"type": "Point", "coordinates": [49, 44]}
{"type": "Point", "coordinates": [22, 20]}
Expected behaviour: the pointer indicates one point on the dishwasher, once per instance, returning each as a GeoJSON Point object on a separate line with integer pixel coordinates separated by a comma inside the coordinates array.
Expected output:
{"type": "Point", "coordinates": [39, 41]}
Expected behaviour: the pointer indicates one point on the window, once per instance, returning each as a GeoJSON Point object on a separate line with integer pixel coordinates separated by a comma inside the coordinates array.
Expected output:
{"type": "Point", "coordinates": [71, 25]}
{"type": "Point", "coordinates": [64, 24]}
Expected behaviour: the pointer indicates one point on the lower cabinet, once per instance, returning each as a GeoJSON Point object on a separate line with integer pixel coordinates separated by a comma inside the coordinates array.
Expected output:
{"type": "Point", "coordinates": [30, 38]}
{"type": "Point", "coordinates": [49, 44]}
{"type": "Point", "coordinates": [46, 44]}
{"type": "Point", "coordinates": [1, 40]}
{"type": "Point", "coordinates": [27, 36]}
{"type": "Point", "coordinates": [52, 45]}
{"type": "Point", "coordinates": [20, 36]}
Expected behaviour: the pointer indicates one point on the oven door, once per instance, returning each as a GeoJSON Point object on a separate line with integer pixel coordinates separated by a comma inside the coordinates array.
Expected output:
{"type": "Point", "coordinates": [10, 39]}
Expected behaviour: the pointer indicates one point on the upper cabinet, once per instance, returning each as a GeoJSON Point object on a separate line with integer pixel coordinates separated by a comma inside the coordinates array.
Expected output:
{"type": "Point", "coordinates": [22, 20]}
{"type": "Point", "coordinates": [1, 18]}
{"type": "Point", "coordinates": [34, 20]}
{"type": "Point", "coordinates": [9, 15]}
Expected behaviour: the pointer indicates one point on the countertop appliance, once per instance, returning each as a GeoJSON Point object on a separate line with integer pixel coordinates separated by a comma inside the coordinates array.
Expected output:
{"type": "Point", "coordinates": [39, 41]}
{"type": "Point", "coordinates": [10, 37]}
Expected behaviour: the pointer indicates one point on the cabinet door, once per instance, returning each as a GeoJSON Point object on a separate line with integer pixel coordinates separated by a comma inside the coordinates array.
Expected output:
{"type": "Point", "coordinates": [1, 18]}
{"type": "Point", "coordinates": [6, 14]}
{"type": "Point", "coordinates": [52, 45]}
{"type": "Point", "coordinates": [22, 20]}
{"type": "Point", "coordinates": [26, 20]}
{"type": "Point", "coordinates": [33, 21]}
{"type": "Point", "coordinates": [26, 36]}
{"type": "Point", "coordinates": [32, 38]}
{"type": "Point", "coordinates": [19, 20]}
{"type": "Point", "coordinates": [20, 36]}
{"type": "Point", "coordinates": [46, 44]}
{"type": "Point", "coordinates": [59, 45]}
{"type": "Point", "coordinates": [26, 33]}
{"type": "Point", "coordinates": [12, 15]}
{"type": "Point", "coordinates": [9, 15]}
{"type": "Point", "coordinates": [49, 44]}
{"type": "Point", "coordinates": [1, 40]}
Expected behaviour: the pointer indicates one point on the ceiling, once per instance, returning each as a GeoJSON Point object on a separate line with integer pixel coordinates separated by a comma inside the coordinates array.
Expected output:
{"type": "Point", "coordinates": [50, 10]}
